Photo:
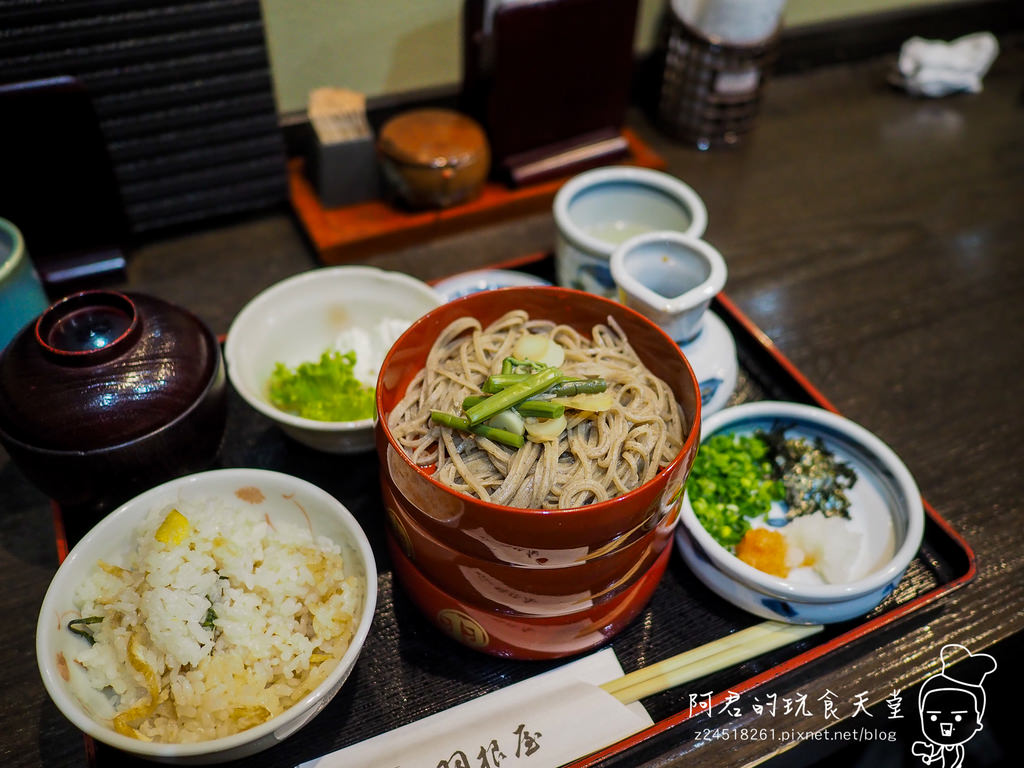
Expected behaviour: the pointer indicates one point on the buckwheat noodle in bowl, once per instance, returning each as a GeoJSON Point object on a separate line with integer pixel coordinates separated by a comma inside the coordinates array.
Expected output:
{"type": "Point", "coordinates": [543, 537]}
{"type": "Point", "coordinates": [600, 455]}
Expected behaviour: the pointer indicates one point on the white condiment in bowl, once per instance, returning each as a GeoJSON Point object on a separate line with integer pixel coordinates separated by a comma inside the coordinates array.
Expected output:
{"type": "Point", "coordinates": [371, 346]}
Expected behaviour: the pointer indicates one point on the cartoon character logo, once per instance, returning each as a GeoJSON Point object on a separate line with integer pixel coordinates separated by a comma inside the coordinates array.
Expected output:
{"type": "Point", "coordinates": [952, 703]}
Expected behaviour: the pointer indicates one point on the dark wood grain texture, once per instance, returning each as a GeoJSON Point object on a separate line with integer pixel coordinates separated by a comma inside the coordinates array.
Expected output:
{"type": "Point", "coordinates": [874, 237]}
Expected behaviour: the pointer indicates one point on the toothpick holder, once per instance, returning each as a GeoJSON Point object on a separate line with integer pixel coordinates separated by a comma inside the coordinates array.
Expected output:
{"type": "Point", "coordinates": [343, 172]}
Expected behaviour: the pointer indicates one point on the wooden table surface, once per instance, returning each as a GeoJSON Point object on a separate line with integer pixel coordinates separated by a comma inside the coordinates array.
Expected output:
{"type": "Point", "coordinates": [876, 238]}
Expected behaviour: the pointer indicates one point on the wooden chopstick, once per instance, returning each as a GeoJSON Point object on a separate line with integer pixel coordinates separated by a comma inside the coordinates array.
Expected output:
{"type": "Point", "coordinates": [750, 637]}
{"type": "Point", "coordinates": [705, 659]}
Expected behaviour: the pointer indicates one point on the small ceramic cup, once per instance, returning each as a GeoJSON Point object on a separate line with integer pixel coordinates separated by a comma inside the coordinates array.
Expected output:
{"type": "Point", "coordinates": [670, 278]}
{"type": "Point", "coordinates": [600, 209]}
{"type": "Point", "coordinates": [21, 292]}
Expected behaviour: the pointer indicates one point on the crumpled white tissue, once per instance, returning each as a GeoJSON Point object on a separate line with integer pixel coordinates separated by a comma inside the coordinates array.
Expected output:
{"type": "Point", "coordinates": [937, 68]}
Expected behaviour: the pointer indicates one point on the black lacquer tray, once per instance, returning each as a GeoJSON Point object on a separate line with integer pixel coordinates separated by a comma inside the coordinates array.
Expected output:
{"type": "Point", "coordinates": [409, 670]}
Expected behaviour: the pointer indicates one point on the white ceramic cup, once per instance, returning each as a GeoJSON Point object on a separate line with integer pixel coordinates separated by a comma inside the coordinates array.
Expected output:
{"type": "Point", "coordinates": [670, 278]}
{"type": "Point", "coordinates": [598, 210]}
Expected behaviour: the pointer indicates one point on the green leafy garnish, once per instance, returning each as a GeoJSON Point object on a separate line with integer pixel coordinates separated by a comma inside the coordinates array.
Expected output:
{"type": "Point", "coordinates": [209, 618]}
{"type": "Point", "coordinates": [326, 390]}
{"type": "Point", "coordinates": [81, 631]}
{"type": "Point", "coordinates": [731, 482]}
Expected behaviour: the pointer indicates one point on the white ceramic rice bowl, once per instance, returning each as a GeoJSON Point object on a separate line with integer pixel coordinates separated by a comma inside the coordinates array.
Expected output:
{"type": "Point", "coordinates": [887, 486]}
{"type": "Point", "coordinates": [297, 319]}
{"type": "Point", "coordinates": [287, 499]}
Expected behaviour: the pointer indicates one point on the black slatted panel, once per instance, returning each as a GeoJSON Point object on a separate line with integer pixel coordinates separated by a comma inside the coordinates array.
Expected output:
{"type": "Point", "coordinates": [182, 91]}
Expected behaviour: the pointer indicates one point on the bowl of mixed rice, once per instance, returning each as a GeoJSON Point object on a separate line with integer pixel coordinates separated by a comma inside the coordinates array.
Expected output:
{"type": "Point", "coordinates": [208, 618]}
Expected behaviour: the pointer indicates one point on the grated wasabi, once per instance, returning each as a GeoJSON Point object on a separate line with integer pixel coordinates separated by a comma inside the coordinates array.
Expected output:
{"type": "Point", "coordinates": [326, 390]}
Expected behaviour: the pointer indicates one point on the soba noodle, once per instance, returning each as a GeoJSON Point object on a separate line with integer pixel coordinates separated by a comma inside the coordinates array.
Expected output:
{"type": "Point", "coordinates": [599, 456]}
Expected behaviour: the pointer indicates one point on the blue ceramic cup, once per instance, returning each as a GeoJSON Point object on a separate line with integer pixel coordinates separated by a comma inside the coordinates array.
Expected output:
{"type": "Point", "coordinates": [22, 298]}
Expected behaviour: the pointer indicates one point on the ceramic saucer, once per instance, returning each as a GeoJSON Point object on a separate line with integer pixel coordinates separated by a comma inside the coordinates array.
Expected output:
{"type": "Point", "coordinates": [484, 280]}
{"type": "Point", "coordinates": [712, 354]}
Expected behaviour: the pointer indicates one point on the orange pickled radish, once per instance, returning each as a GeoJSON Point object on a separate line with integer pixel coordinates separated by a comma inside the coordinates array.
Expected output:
{"type": "Point", "coordinates": [764, 550]}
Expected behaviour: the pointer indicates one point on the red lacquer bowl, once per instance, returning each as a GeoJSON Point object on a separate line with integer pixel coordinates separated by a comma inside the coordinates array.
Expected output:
{"type": "Point", "coordinates": [530, 589]}
{"type": "Point", "coordinates": [564, 549]}
{"type": "Point", "coordinates": [528, 638]}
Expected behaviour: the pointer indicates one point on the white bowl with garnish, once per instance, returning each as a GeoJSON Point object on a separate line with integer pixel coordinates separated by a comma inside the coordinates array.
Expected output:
{"type": "Point", "coordinates": [241, 530]}
{"type": "Point", "coordinates": [337, 310]}
{"type": "Point", "coordinates": [812, 567]}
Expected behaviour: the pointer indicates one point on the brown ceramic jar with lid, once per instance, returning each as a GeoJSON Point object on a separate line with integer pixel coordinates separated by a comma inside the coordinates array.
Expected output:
{"type": "Point", "coordinates": [434, 158]}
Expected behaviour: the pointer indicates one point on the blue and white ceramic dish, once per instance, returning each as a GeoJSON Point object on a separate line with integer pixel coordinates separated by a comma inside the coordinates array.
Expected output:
{"type": "Point", "coordinates": [886, 510]}
{"type": "Point", "coordinates": [465, 283]}
{"type": "Point", "coordinates": [712, 355]}
{"type": "Point", "coordinates": [600, 209]}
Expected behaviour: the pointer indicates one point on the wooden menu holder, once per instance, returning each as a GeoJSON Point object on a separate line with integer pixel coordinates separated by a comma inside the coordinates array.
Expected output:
{"type": "Point", "coordinates": [58, 184]}
{"type": "Point", "coordinates": [549, 81]}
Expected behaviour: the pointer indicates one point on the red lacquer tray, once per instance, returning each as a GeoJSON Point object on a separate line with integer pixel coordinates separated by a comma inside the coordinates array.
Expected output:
{"type": "Point", "coordinates": [409, 670]}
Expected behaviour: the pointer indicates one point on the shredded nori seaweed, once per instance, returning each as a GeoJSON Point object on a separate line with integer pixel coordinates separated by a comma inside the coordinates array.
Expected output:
{"type": "Point", "coordinates": [815, 481]}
